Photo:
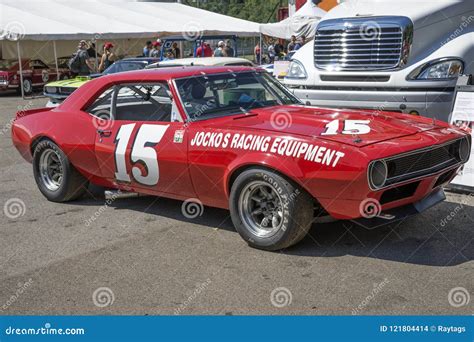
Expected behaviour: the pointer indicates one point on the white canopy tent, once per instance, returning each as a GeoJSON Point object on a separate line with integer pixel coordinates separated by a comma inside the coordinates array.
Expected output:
{"type": "Point", "coordinates": [38, 23]}
{"type": "Point", "coordinates": [303, 22]}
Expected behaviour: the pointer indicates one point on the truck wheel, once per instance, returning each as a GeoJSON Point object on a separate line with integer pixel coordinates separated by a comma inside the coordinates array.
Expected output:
{"type": "Point", "coordinates": [268, 211]}
{"type": "Point", "coordinates": [56, 177]}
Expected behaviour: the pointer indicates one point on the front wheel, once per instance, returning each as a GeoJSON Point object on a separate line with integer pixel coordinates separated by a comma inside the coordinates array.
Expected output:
{"type": "Point", "coordinates": [56, 177]}
{"type": "Point", "coordinates": [268, 211]}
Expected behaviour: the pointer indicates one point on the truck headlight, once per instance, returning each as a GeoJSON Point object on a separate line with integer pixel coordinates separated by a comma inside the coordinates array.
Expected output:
{"type": "Point", "coordinates": [296, 70]}
{"type": "Point", "coordinates": [378, 172]}
{"type": "Point", "coordinates": [446, 68]}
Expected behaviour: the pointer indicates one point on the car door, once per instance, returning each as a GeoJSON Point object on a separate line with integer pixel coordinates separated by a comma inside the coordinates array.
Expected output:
{"type": "Point", "coordinates": [138, 144]}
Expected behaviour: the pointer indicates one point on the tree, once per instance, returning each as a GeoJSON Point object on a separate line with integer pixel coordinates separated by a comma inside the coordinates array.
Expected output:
{"type": "Point", "coordinates": [253, 10]}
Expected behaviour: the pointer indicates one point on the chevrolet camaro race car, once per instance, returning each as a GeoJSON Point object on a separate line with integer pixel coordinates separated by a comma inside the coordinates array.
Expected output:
{"type": "Point", "coordinates": [235, 138]}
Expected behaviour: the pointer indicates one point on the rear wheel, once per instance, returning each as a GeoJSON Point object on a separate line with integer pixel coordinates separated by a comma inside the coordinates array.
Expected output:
{"type": "Point", "coordinates": [56, 177]}
{"type": "Point", "coordinates": [268, 211]}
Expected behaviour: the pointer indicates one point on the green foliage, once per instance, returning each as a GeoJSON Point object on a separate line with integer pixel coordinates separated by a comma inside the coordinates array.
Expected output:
{"type": "Point", "coordinates": [260, 11]}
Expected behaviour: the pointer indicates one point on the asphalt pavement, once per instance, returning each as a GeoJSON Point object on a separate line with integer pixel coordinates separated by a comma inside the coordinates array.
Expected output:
{"type": "Point", "coordinates": [142, 256]}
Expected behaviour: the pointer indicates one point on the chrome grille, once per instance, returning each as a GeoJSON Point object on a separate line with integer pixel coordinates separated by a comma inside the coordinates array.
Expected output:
{"type": "Point", "coordinates": [66, 90]}
{"type": "Point", "coordinates": [362, 44]}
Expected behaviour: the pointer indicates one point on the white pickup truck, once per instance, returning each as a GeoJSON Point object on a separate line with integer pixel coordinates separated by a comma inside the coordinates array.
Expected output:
{"type": "Point", "coordinates": [393, 55]}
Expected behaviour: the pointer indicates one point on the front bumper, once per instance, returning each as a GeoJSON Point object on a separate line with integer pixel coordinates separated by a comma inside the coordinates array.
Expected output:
{"type": "Point", "coordinates": [401, 213]}
{"type": "Point", "coordinates": [437, 104]}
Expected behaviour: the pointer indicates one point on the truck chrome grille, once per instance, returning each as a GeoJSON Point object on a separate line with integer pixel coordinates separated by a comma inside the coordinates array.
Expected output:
{"type": "Point", "coordinates": [362, 44]}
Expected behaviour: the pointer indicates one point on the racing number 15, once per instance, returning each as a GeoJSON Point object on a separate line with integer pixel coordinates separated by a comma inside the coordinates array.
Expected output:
{"type": "Point", "coordinates": [143, 152]}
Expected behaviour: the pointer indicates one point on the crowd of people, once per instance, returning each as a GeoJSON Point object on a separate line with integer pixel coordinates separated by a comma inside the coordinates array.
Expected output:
{"type": "Point", "coordinates": [83, 62]}
{"type": "Point", "coordinates": [277, 51]}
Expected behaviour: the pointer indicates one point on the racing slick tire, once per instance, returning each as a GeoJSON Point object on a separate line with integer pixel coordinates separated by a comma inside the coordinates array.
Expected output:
{"type": "Point", "coordinates": [56, 177]}
{"type": "Point", "coordinates": [268, 211]}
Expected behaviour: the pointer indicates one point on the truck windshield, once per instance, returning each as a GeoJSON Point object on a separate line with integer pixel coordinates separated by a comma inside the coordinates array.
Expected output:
{"type": "Point", "coordinates": [217, 95]}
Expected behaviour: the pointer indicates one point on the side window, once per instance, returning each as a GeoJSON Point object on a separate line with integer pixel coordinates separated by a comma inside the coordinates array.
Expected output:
{"type": "Point", "coordinates": [143, 102]}
{"type": "Point", "coordinates": [136, 102]}
{"type": "Point", "coordinates": [102, 106]}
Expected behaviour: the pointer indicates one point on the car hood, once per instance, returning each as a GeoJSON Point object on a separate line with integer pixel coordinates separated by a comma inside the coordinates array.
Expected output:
{"type": "Point", "coordinates": [311, 122]}
{"type": "Point", "coordinates": [72, 82]}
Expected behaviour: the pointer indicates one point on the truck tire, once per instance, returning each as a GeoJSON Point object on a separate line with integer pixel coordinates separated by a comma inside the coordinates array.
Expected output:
{"type": "Point", "coordinates": [56, 177]}
{"type": "Point", "coordinates": [268, 211]}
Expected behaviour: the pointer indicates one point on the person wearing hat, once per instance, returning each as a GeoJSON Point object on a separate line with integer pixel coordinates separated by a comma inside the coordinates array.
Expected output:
{"type": "Point", "coordinates": [219, 52]}
{"type": "Point", "coordinates": [155, 50]}
{"type": "Point", "coordinates": [108, 57]}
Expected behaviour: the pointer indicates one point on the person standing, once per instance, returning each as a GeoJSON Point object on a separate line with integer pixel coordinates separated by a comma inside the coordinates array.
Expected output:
{"type": "Point", "coordinates": [257, 51]}
{"type": "Point", "coordinates": [219, 52]}
{"type": "Point", "coordinates": [108, 57]}
{"type": "Point", "coordinates": [271, 52]}
{"type": "Point", "coordinates": [228, 50]}
{"type": "Point", "coordinates": [147, 48]}
{"type": "Point", "coordinates": [204, 50]}
{"type": "Point", "coordinates": [80, 63]}
{"type": "Point", "coordinates": [176, 51]}
{"type": "Point", "coordinates": [300, 42]}
{"type": "Point", "coordinates": [292, 43]}
{"type": "Point", "coordinates": [155, 50]}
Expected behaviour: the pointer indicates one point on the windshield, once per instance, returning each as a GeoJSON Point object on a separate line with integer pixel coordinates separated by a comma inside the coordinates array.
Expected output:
{"type": "Point", "coordinates": [231, 93]}
{"type": "Point", "coordinates": [7, 64]}
{"type": "Point", "coordinates": [124, 66]}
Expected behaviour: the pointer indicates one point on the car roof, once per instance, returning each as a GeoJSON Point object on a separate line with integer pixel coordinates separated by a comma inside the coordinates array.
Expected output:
{"type": "Point", "coordinates": [205, 61]}
{"type": "Point", "coordinates": [83, 94]}
{"type": "Point", "coordinates": [139, 59]}
{"type": "Point", "coordinates": [176, 72]}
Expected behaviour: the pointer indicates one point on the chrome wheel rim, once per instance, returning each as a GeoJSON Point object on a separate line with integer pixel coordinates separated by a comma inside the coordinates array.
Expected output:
{"type": "Point", "coordinates": [261, 209]}
{"type": "Point", "coordinates": [51, 169]}
{"type": "Point", "coordinates": [26, 86]}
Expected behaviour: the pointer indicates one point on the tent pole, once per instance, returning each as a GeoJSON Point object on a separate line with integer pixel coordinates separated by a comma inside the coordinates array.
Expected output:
{"type": "Point", "coordinates": [96, 47]}
{"type": "Point", "coordinates": [21, 69]}
{"type": "Point", "coordinates": [261, 50]}
{"type": "Point", "coordinates": [56, 60]}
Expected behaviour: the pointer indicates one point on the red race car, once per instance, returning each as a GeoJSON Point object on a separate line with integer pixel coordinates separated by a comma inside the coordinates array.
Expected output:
{"type": "Point", "coordinates": [235, 138]}
{"type": "Point", "coordinates": [35, 74]}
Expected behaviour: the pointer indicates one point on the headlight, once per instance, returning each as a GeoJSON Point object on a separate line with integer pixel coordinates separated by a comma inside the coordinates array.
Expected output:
{"type": "Point", "coordinates": [464, 150]}
{"type": "Point", "coordinates": [50, 90]}
{"type": "Point", "coordinates": [296, 70]}
{"type": "Point", "coordinates": [378, 174]}
{"type": "Point", "coordinates": [438, 70]}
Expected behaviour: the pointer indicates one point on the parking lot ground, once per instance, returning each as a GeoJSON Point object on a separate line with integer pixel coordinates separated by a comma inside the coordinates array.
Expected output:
{"type": "Point", "coordinates": [142, 256]}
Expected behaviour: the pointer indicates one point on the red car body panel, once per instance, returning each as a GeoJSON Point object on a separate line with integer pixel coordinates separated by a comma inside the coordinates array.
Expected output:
{"type": "Point", "coordinates": [336, 175]}
{"type": "Point", "coordinates": [35, 70]}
